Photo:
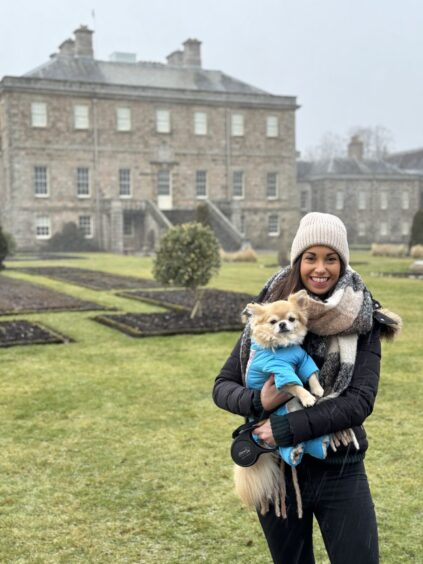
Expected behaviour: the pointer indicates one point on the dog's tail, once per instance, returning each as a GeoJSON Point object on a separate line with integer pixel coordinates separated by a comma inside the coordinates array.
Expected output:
{"type": "Point", "coordinates": [261, 484]}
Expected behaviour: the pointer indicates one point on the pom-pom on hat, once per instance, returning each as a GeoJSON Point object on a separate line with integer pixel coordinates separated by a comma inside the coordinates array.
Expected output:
{"type": "Point", "coordinates": [321, 229]}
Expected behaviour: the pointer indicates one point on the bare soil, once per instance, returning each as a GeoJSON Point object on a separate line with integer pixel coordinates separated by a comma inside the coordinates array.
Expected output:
{"type": "Point", "coordinates": [92, 279]}
{"type": "Point", "coordinates": [20, 296]}
{"type": "Point", "coordinates": [22, 332]}
{"type": "Point", "coordinates": [221, 311]}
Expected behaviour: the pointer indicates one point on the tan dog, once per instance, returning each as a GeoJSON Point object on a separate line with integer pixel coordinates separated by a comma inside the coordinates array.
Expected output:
{"type": "Point", "coordinates": [274, 325]}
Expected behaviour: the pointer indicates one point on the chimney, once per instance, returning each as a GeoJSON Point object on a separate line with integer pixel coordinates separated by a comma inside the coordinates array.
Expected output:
{"type": "Point", "coordinates": [84, 42]}
{"type": "Point", "coordinates": [192, 53]}
{"type": "Point", "coordinates": [355, 148]}
{"type": "Point", "coordinates": [67, 48]}
{"type": "Point", "coordinates": [176, 58]}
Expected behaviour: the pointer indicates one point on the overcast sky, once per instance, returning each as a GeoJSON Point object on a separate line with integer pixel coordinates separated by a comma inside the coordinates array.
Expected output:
{"type": "Point", "coordinates": [349, 62]}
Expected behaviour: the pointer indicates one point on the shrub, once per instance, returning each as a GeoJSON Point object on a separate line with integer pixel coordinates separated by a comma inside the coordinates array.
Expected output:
{"type": "Point", "coordinates": [389, 250]}
{"type": "Point", "coordinates": [202, 214]}
{"type": "Point", "coordinates": [11, 243]}
{"type": "Point", "coordinates": [188, 256]}
{"type": "Point", "coordinates": [71, 238]}
{"type": "Point", "coordinates": [416, 237]}
{"type": "Point", "coordinates": [4, 247]}
{"type": "Point", "coordinates": [243, 255]}
{"type": "Point", "coordinates": [416, 251]}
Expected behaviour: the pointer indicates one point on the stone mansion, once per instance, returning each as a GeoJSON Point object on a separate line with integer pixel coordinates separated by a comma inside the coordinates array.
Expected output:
{"type": "Point", "coordinates": [126, 149]}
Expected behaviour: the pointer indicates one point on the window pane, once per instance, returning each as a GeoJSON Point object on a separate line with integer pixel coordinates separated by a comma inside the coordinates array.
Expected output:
{"type": "Point", "coordinates": [40, 181]}
{"type": "Point", "coordinates": [237, 125]}
{"type": "Point", "coordinates": [201, 183]}
{"type": "Point", "coordinates": [304, 200]}
{"type": "Point", "coordinates": [85, 225]}
{"type": "Point", "coordinates": [163, 183]}
{"type": "Point", "coordinates": [383, 201]}
{"type": "Point", "coordinates": [361, 229]}
{"type": "Point", "coordinates": [82, 181]}
{"type": "Point", "coordinates": [42, 227]}
{"type": "Point", "coordinates": [124, 182]}
{"type": "Point", "coordinates": [39, 114]}
{"type": "Point", "coordinates": [238, 184]}
{"type": "Point", "coordinates": [200, 123]}
{"type": "Point", "coordinates": [405, 228]}
{"type": "Point", "coordinates": [361, 200]}
{"type": "Point", "coordinates": [273, 224]}
{"type": "Point", "coordinates": [405, 197]}
{"type": "Point", "coordinates": [272, 126]}
{"type": "Point", "coordinates": [81, 117]}
{"type": "Point", "coordinates": [384, 228]}
{"type": "Point", "coordinates": [163, 121]}
{"type": "Point", "coordinates": [339, 200]}
{"type": "Point", "coordinates": [272, 185]}
{"type": "Point", "coordinates": [123, 117]}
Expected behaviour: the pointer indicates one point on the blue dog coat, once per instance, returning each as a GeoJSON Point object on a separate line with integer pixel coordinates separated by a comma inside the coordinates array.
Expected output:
{"type": "Point", "coordinates": [290, 365]}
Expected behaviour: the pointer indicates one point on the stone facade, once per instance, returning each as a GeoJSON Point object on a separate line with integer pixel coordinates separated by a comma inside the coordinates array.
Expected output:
{"type": "Point", "coordinates": [375, 199]}
{"type": "Point", "coordinates": [53, 149]}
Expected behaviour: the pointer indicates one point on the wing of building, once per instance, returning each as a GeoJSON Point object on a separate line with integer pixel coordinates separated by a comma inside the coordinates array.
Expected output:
{"type": "Point", "coordinates": [125, 149]}
{"type": "Point", "coordinates": [376, 199]}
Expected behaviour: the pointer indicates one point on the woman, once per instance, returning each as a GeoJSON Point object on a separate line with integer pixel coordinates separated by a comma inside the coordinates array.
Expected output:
{"type": "Point", "coordinates": [345, 326]}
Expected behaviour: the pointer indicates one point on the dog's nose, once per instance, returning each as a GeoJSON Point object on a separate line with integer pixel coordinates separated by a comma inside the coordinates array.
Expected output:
{"type": "Point", "coordinates": [282, 327]}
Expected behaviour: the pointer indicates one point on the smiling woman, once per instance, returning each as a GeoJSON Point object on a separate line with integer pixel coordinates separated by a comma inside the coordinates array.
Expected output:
{"type": "Point", "coordinates": [344, 329]}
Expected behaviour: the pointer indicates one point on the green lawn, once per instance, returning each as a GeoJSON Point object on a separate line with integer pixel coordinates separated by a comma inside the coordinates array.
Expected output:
{"type": "Point", "coordinates": [113, 451]}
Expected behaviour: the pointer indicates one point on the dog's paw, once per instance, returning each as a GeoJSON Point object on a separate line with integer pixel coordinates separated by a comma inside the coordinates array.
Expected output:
{"type": "Point", "coordinates": [317, 391]}
{"type": "Point", "coordinates": [307, 399]}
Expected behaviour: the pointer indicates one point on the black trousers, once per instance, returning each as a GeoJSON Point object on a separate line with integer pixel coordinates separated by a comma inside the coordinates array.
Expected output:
{"type": "Point", "coordinates": [339, 497]}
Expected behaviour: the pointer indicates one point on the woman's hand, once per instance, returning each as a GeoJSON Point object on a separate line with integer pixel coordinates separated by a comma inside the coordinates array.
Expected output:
{"type": "Point", "coordinates": [271, 397]}
{"type": "Point", "coordinates": [264, 433]}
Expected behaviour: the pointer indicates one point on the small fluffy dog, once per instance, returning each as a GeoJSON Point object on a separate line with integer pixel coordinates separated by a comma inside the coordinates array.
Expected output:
{"type": "Point", "coordinates": [277, 331]}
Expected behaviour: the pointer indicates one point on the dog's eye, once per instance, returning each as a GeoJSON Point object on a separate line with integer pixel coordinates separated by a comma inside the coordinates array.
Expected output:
{"type": "Point", "coordinates": [273, 321]}
{"type": "Point", "coordinates": [291, 319]}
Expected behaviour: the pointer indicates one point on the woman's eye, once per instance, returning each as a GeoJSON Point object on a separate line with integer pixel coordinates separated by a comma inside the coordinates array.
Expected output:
{"type": "Point", "coordinates": [291, 319]}
{"type": "Point", "coordinates": [272, 321]}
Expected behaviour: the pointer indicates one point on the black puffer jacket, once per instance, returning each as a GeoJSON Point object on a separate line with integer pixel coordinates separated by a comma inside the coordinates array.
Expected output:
{"type": "Point", "coordinates": [349, 410]}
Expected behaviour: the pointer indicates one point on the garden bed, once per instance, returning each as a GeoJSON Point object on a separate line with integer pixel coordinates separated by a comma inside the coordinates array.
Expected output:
{"type": "Point", "coordinates": [22, 332]}
{"type": "Point", "coordinates": [221, 311]}
{"type": "Point", "coordinates": [93, 279]}
{"type": "Point", "coordinates": [20, 296]}
{"type": "Point", "coordinates": [181, 299]}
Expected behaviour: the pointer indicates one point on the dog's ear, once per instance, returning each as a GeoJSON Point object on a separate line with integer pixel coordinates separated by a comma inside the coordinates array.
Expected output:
{"type": "Point", "coordinates": [250, 310]}
{"type": "Point", "coordinates": [300, 298]}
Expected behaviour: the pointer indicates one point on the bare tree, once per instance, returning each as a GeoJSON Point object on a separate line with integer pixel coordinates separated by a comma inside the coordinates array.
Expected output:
{"type": "Point", "coordinates": [378, 141]}
{"type": "Point", "coordinates": [331, 145]}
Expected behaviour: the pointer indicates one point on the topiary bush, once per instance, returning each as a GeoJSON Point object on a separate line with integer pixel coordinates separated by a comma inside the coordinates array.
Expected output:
{"type": "Point", "coordinates": [188, 256]}
{"type": "Point", "coordinates": [71, 238]}
{"type": "Point", "coordinates": [4, 247]}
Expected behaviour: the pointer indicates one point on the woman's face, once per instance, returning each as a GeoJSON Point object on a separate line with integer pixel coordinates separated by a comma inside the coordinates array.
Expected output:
{"type": "Point", "coordinates": [320, 269]}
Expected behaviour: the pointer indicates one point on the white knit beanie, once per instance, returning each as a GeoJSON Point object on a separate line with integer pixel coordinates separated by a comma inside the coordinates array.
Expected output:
{"type": "Point", "coordinates": [321, 229]}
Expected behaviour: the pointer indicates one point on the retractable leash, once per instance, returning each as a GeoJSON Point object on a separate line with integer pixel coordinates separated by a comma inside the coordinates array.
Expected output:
{"type": "Point", "coordinates": [245, 450]}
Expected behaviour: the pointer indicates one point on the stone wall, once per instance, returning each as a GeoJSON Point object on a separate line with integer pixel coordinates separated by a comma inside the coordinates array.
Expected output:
{"type": "Point", "coordinates": [104, 150]}
{"type": "Point", "coordinates": [366, 226]}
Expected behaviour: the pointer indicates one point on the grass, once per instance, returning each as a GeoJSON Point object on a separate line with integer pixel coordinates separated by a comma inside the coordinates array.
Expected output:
{"type": "Point", "coordinates": [113, 451]}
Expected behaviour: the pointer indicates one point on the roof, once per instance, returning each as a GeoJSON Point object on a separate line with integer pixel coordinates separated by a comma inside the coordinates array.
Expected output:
{"type": "Point", "coordinates": [141, 74]}
{"type": "Point", "coordinates": [339, 167]}
{"type": "Point", "coordinates": [410, 160]}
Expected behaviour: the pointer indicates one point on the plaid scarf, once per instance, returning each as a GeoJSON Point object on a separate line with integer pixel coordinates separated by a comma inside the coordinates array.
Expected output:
{"type": "Point", "coordinates": [334, 327]}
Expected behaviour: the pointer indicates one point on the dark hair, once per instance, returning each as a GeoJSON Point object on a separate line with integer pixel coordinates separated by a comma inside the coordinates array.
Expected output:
{"type": "Point", "coordinates": [293, 283]}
